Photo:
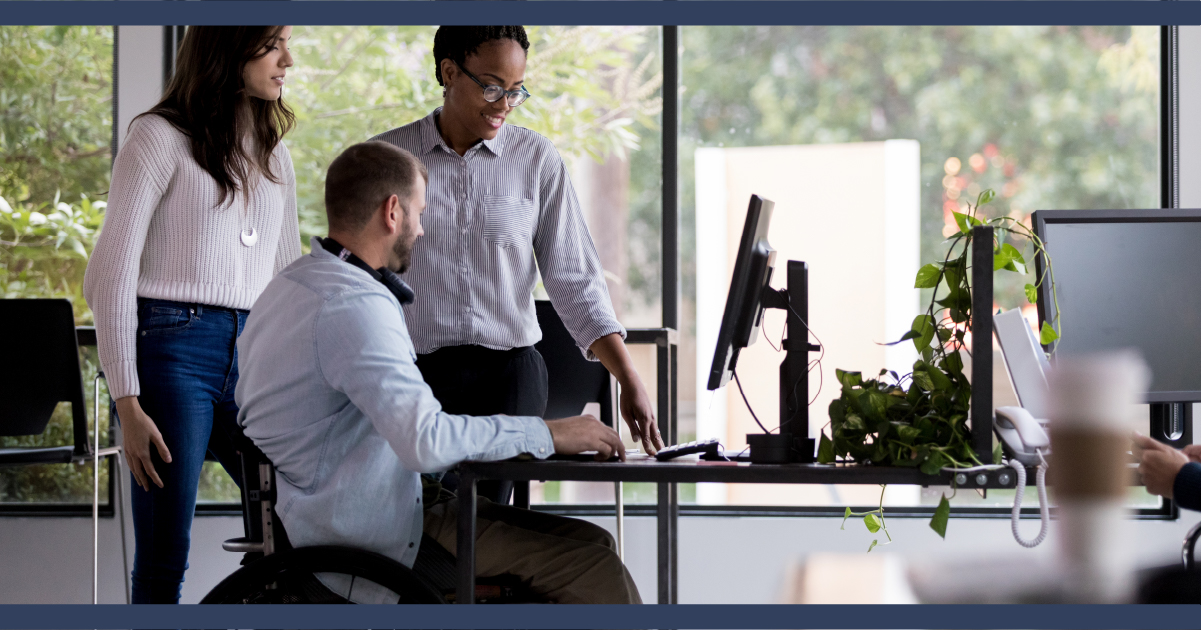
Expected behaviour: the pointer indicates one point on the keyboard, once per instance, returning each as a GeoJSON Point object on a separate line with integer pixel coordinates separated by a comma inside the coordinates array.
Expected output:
{"type": "Point", "coordinates": [709, 449]}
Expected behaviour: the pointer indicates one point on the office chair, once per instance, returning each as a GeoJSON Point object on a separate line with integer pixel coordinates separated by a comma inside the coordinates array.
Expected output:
{"type": "Point", "coordinates": [275, 572]}
{"type": "Point", "coordinates": [572, 382]}
{"type": "Point", "coordinates": [1176, 584]}
{"type": "Point", "coordinates": [42, 370]}
{"type": "Point", "coordinates": [1189, 546]}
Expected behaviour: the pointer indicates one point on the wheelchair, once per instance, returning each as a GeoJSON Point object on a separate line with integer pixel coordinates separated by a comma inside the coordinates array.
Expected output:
{"type": "Point", "coordinates": [275, 572]}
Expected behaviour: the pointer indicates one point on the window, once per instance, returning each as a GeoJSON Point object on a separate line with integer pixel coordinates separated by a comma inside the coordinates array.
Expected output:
{"type": "Point", "coordinates": [55, 133]}
{"type": "Point", "coordinates": [827, 117]}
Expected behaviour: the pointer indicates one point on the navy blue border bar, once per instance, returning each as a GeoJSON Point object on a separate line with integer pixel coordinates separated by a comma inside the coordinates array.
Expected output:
{"type": "Point", "coordinates": [748, 12]}
{"type": "Point", "coordinates": [746, 617]}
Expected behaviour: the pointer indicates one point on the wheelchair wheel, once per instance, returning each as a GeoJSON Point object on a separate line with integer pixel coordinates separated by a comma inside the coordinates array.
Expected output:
{"type": "Point", "coordinates": [287, 577]}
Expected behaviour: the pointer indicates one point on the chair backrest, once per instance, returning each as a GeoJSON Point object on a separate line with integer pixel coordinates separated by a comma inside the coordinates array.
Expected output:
{"type": "Point", "coordinates": [40, 368]}
{"type": "Point", "coordinates": [259, 520]}
{"type": "Point", "coordinates": [572, 380]}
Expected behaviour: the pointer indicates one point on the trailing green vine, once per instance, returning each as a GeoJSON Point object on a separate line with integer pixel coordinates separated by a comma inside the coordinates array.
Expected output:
{"type": "Point", "coordinates": [872, 519]}
{"type": "Point", "coordinates": [920, 420]}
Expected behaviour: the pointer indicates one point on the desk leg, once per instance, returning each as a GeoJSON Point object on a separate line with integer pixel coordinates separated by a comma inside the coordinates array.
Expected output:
{"type": "Point", "coordinates": [521, 494]}
{"type": "Point", "coordinates": [668, 516]}
{"type": "Point", "coordinates": [465, 540]}
{"type": "Point", "coordinates": [675, 541]}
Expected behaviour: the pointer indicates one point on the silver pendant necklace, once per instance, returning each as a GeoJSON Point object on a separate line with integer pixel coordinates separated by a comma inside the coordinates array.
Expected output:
{"type": "Point", "coordinates": [249, 237]}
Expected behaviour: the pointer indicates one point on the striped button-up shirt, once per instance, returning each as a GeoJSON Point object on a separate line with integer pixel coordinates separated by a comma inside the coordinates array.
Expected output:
{"type": "Point", "coordinates": [494, 218]}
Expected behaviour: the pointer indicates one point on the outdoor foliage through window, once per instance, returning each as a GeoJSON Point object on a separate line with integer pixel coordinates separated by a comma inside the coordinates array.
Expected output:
{"type": "Point", "coordinates": [55, 129]}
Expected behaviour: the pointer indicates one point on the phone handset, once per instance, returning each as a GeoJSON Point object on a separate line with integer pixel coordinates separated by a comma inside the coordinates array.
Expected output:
{"type": "Point", "coordinates": [1026, 442]}
{"type": "Point", "coordinates": [1015, 422]}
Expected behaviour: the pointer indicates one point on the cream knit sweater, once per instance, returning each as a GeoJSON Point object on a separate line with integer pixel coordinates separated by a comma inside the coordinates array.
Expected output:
{"type": "Point", "coordinates": [165, 237]}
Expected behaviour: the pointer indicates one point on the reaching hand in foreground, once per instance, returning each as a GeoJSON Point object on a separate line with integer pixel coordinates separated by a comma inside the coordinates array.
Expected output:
{"type": "Point", "coordinates": [1159, 463]}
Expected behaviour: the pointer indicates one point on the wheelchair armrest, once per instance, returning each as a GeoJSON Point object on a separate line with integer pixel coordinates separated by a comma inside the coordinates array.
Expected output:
{"type": "Point", "coordinates": [1190, 544]}
{"type": "Point", "coordinates": [242, 545]}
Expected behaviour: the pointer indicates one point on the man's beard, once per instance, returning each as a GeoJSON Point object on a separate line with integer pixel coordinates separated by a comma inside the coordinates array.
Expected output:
{"type": "Point", "coordinates": [402, 250]}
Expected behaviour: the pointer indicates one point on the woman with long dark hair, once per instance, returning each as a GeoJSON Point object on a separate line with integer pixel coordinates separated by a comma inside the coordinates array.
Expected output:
{"type": "Point", "coordinates": [201, 214]}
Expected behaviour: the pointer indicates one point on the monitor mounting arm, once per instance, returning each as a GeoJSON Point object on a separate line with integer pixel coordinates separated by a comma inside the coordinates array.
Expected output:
{"type": "Point", "coordinates": [794, 371]}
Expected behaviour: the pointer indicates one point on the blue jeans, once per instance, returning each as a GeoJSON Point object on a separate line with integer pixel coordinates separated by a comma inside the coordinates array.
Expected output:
{"type": "Point", "coordinates": [187, 367]}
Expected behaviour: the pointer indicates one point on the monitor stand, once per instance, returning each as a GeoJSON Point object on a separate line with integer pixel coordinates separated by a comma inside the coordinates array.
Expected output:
{"type": "Point", "coordinates": [792, 443]}
{"type": "Point", "coordinates": [1172, 423]}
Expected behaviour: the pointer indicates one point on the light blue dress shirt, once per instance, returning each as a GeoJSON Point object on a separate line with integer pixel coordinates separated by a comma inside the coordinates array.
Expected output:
{"type": "Point", "coordinates": [329, 390]}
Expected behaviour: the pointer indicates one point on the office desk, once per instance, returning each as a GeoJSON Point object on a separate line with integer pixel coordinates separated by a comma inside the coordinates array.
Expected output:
{"type": "Point", "coordinates": [667, 475]}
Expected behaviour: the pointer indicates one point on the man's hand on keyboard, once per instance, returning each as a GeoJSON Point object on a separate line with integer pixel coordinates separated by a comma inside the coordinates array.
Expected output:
{"type": "Point", "coordinates": [585, 433]}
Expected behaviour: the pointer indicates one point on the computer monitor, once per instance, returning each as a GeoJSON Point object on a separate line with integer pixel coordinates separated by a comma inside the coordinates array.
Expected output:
{"type": "Point", "coordinates": [744, 312]}
{"type": "Point", "coordinates": [1129, 279]}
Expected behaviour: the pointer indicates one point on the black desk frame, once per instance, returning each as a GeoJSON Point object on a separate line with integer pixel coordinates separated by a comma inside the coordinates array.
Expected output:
{"type": "Point", "coordinates": [667, 475]}
{"type": "Point", "coordinates": [667, 356]}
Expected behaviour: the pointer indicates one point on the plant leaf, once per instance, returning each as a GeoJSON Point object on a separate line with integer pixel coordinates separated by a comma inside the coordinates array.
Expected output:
{"type": "Point", "coordinates": [1015, 261]}
{"type": "Point", "coordinates": [938, 522]}
{"type": "Point", "coordinates": [872, 522]}
{"type": "Point", "coordinates": [953, 363]}
{"type": "Point", "coordinates": [961, 220]}
{"type": "Point", "coordinates": [845, 516]}
{"type": "Point", "coordinates": [997, 453]}
{"type": "Point", "coordinates": [1048, 334]}
{"type": "Point", "coordinates": [1014, 254]}
{"type": "Point", "coordinates": [849, 380]}
{"type": "Point", "coordinates": [986, 196]}
{"type": "Point", "coordinates": [1001, 259]}
{"type": "Point", "coordinates": [927, 277]}
{"type": "Point", "coordinates": [871, 546]}
{"type": "Point", "coordinates": [825, 451]}
{"type": "Point", "coordinates": [938, 380]}
{"type": "Point", "coordinates": [923, 325]}
{"type": "Point", "coordinates": [1031, 294]}
{"type": "Point", "coordinates": [933, 464]}
{"type": "Point", "coordinates": [922, 380]}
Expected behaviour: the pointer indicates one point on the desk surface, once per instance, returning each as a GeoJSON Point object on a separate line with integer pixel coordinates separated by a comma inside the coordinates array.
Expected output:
{"type": "Point", "coordinates": [641, 468]}
{"type": "Point", "coordinates": [647, 469]}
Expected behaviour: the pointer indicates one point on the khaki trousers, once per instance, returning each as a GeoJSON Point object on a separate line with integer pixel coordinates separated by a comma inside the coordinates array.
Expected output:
{"type": "Point", "coordinates": [566, 560]}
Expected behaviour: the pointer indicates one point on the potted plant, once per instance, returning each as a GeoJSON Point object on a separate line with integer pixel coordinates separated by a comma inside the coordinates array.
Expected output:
{"type": "Point", "coordinates": [920, 419]}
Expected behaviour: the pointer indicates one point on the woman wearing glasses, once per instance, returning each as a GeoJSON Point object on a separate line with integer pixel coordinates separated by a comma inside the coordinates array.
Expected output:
{"type": "Point", "coordinates": [500, 209]}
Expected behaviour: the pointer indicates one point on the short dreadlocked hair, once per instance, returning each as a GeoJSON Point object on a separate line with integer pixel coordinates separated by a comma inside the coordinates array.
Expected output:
{"type": "Point", "coordinates": [456, 42]}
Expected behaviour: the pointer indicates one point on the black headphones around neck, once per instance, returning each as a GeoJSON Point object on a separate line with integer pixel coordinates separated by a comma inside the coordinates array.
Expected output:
{"type": "Point", "coordinates": [386, 277]}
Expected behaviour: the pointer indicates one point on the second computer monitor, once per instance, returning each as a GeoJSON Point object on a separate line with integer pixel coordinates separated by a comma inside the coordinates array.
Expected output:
{"type": "Point", "coordinates": [1128, 279]}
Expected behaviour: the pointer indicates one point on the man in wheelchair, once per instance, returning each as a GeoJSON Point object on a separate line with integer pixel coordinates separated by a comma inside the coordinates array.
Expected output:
{"type": "Point", "coordinates": [330, 392]}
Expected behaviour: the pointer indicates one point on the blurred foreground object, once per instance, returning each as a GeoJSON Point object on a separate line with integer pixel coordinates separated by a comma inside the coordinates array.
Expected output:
{"type": "Point", "coordinates": [1093, 397]}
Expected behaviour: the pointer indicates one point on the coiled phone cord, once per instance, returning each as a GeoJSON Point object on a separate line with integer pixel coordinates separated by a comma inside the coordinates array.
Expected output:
{"type": "Point", "coordinates": [1043, 508]}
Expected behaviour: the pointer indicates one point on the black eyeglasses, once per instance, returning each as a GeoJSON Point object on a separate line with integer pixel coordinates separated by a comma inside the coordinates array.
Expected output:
{"type": "Point", "coordinates": [493, 93]}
